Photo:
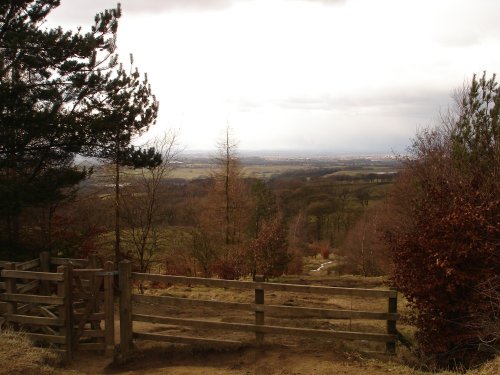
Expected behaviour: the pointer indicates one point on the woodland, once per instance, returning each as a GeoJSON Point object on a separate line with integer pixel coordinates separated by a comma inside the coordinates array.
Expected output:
{"type": "Point", "coordinates": [429, 220]}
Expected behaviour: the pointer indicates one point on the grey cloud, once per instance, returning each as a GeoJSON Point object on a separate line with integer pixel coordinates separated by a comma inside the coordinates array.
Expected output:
{"type": "Point", "coordinates": [416, 104]}
{"type": "Point", "coordinates": [468, 23]}
{"type": "Point", "coordinates": [83, 11]}
{"type": "Point", "coordinates": [152, 6]}
{"type": "Point", "coordinates": [79, 11]}
{"type": "Point", "coordinates": [458, 40]}
{"type": "Point", "coordinates": [326, 2]}
{"type": "Point", "coordinates": [245, 104]}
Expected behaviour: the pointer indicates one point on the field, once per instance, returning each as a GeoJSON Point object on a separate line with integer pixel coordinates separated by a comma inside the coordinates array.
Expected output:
{"type": "Point", "coordinates": [191, 167]}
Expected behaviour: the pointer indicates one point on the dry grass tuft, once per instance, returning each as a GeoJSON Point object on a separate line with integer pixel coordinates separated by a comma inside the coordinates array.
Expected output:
{"type": "Point", "coordinates": [19, 356]}
{"type": "Point", "coordinates": [489, 368]}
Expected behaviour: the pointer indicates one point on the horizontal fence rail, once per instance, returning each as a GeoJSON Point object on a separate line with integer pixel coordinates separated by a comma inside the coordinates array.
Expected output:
{"type": "Point", "coordinates": [77, 263]}
{"type": "Point", "coordinates": [344, 335]}
{"type": "Point", "coordinates": [32, 275]}
{"type": "Point", "coordinates": [279, 310]}
{"type": "Point", "coordinates": [251, 285]}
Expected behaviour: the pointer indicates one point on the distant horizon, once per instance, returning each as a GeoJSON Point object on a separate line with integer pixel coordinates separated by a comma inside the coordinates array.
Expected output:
{"type": "Point", "coordinates": [267, 154]}
{"type": "Point", "coordinates": [291, 153]}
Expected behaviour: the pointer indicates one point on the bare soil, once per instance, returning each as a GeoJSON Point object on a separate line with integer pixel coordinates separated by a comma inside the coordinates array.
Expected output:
{"type": "Point", "coordinates": [269, 359]}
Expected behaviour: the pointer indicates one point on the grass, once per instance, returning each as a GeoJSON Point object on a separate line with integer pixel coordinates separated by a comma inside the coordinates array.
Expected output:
{"type": "Point", "coordinates": [490, 368]}
{"type": "Point", "coordinates": [18, 355]}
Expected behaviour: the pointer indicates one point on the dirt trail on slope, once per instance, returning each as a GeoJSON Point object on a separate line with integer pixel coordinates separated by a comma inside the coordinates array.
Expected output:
{"type": "Point", "coordinates": [267, 360]}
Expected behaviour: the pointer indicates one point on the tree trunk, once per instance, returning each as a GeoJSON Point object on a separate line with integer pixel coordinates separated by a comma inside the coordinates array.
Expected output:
{"type": "Point", "coordinates": [118, 255]}
{"type": "Point", "coordinates": [226, 188]}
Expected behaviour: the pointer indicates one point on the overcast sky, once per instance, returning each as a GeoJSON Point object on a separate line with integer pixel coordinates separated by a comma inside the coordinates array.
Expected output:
{"type": "Point", "coordinates": [315, 75]}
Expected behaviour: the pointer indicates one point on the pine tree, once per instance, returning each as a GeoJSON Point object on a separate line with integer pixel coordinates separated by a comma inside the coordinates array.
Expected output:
{"type": "Point", "coordinates": [62, 93]}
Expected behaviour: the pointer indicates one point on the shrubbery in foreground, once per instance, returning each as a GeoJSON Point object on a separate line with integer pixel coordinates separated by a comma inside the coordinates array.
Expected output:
{"type": "Point", "coordinates": [445, 232]}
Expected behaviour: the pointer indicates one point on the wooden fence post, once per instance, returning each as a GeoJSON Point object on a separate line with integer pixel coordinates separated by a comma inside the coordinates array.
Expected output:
{"type": "Point", "coordinates": [11, 287]}
{"type": "Point", "coordinates": [66, 310]}
{"type": "Point", "coordinates": [259, 315]}
{"type": "Point", "coordinates": [109, 309]}
{"type": "Point", "coordinates": [390, 346]}
{"type": "Point", "coordinates": [93, 261]}
{"type": "Point", "coordinates": [45, 267]}
{"type": "Point", "coordinates": [125, 280]}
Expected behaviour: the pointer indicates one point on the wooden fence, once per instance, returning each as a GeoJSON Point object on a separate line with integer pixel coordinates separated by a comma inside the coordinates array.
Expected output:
{"type": "Point", "coordinates": [260, 309]}
{"type": "Point", "coordinates": [70, 303]}
{"type": "Point", "coordinates": [63, 308]}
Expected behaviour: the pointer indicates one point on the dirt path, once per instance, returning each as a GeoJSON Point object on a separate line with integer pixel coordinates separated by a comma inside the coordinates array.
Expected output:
{"type": "Point", "coordinates": [268, 360]}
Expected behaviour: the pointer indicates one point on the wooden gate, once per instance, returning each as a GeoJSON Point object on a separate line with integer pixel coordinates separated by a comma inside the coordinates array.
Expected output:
{"type": "Point", "coordinates": [93, 308]}
{"type": "Point", "coordinates": [71, 308]}
{"type": "Point", "coordinates": [38, 303]}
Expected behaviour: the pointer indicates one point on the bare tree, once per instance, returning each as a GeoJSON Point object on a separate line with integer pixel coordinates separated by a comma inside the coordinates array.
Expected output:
{"type": "Point", "coordinates": [224, 214]}
{"type": "Point", "coordinates": [227, 179]}
{"type": "Point", "coordinates": [142, 201]}
{"type": "Point", "coordinates": [363, 248]}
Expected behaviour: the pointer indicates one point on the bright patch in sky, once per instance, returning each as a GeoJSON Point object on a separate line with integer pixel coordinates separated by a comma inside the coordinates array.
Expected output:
{"type": "Point", "coordinates": [319, 75]}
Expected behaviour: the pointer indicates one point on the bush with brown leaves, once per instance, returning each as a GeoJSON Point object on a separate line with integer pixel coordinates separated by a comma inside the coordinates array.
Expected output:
{"type": "Point", "coordinates": [445, 231]}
